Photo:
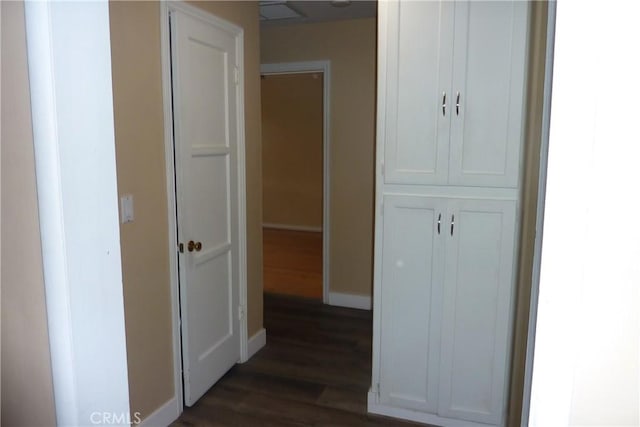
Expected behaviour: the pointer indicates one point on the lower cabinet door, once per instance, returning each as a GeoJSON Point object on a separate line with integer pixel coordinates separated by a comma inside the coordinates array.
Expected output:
{"type": "Point", "coordinates": [411, 288]}
{"type": "Point", "coordinates": [477, 309]}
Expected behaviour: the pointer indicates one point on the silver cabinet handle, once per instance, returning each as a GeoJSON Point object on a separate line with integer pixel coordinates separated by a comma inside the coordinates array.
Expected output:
{"type": "Point", "coordinates": [439, 218]}
{"type": "Point", "coordinates": [452, 223]}
{"type": "Point", "coordinates": [444, 103]}
{"type": "Point", "coordinates": [457, 103]}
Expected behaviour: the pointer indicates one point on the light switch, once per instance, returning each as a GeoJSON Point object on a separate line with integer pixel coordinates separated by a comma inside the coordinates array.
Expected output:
{"type": "Point", "coordinates": [126, 208]}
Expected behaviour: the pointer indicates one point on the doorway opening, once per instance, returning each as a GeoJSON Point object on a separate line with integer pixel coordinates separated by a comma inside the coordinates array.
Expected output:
{"type": "Point", "coordinates": [295, 148]}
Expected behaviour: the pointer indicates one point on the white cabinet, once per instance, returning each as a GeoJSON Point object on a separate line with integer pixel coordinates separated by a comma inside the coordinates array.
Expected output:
{"type": "Point", "coordinates": [476, 309]}
{"type": "Point", "coordinates": [412, 271]}
{"type": "Point", "coordinates": [446, 279]}
{"type": "Point", "coordinates": [417, 126]}
{"type": "Point", "coordinates": [451, 87]}
{"type": "Point", "coordinates": [454, 122]}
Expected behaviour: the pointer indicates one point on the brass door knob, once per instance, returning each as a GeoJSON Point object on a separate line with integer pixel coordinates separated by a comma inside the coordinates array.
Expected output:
{"type": "Point", "coordinates": [191, 246]}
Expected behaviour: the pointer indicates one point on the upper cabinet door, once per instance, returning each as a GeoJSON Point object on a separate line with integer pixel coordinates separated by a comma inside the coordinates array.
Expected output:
{"type": "Point", "coordinates": [415, 41]}
{"type": "Point", "coordinates": [490, 49]}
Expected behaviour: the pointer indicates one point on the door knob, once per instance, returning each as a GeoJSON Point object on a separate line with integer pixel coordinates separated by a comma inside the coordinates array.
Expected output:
{"type": "Point", "coordinates": [191, 246]}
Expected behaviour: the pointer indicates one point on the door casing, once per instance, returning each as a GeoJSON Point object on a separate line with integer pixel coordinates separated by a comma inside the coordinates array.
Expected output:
{"type": "Point", "coordinates": [324, 67]}
{"type": "Point", "coordinates": [165, 10]}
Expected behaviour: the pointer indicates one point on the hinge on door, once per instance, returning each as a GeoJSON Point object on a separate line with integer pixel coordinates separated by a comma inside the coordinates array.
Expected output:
{"type": "Point", "coordinates": [240, 312]}
{"type": "Point", "coordinates": [382, 208]}
{"type": "Point", "coordinates": [236, 75]}
{"type": "Point", "coordinates": [378, 389]}
{"type": "Point", "coordinates": [382, 169]}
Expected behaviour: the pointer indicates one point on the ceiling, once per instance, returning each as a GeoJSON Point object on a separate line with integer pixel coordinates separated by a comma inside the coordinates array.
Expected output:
{"type": "Point", "coordinates": [281, 12]}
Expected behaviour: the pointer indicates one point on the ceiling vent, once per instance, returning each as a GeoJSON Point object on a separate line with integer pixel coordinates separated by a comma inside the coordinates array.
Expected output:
{"type": "Point", "coordinates": [276, 10]}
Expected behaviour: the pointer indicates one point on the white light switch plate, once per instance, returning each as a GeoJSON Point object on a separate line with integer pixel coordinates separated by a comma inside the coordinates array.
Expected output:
{"type": "Point", "coordinates": [126, 208]}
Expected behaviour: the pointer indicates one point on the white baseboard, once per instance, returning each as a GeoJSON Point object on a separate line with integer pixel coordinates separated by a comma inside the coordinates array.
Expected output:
{"type": "Point", "coordinates": [362, 302]}
{"type": "Point", "coordinates": [256, 342]}
{"type": "Point", "coordinates": [169, 411]}
{"type": "Point", "coordinates": [374, 407]}
{"type": "Point", "coordinates": [161, 417]}
{"type": "Point", "coordinates": [292, 227]}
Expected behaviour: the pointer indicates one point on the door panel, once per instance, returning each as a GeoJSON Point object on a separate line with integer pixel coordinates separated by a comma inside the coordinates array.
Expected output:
{"type": "Point", "coordinates": [477, 307]}
{"type": "Point", "coordinates": [412, 292]}
{"type": "Point", "coordinates": [417, 130]}
{"type": "Point", "coordinates": [211, 127]}
{"type": "Point", "coordinates": [212, 169]}
{"type": "Point", "coordinates": [489, 59]}
{"type": "Point", "coordinates": [205, 121]}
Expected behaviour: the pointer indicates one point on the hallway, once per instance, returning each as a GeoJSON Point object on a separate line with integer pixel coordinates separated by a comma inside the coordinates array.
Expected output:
{"type": "Point", "coordinates": [314, 371]}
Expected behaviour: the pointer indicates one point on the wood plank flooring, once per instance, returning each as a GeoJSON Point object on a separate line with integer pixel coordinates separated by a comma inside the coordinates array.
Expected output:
{"type": "Point", "coordinates": [314, 371]}
{"type": "Point", "coordinates": [292, 262]}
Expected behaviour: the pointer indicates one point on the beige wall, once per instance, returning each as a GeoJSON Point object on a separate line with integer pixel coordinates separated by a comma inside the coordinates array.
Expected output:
{"type": "Point", "coordinates": [537, 52]}
{"type": "Point", "coordinates": [292, 149]}
{"type": "Point", "coordinates": [351, 48]}
{"type": "Point", "coordinates": [139, 133]}
{"type": "Point", "coordinates": [139, 130]}
{"type": "Point", "coordinates": [27, 391]}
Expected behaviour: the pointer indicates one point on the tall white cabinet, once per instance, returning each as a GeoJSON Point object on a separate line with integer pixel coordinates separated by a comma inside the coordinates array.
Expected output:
{"type": "Point", "coordinates": [451, 98]}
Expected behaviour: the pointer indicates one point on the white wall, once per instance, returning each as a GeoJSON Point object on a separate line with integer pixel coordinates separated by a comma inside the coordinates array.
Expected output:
{"type": "Point", "coordinates": [69, 58]}
{"type": "Point", "coordinates": [587, 338]}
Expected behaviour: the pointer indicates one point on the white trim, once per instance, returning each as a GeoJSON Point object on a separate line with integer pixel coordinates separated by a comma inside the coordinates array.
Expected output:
{"type": "Point", "coordinates": [165, 10]}
{"type": "Point", "coordinates": [325, 68]}
{"type": "Point", "coordinates": [381, 93]}
{"type": "Point", "coordinates": [542, 188]}
{"type": "Point", "coordinates": [242, 201]}
{"type": "Point", "coordinates": [69, 66]}
{"type": "Point", "coordinates": [308, 228]}
{"type": "Point", "coordinates": [163, 416]}
{"type": "Point", "coordinates": [256, 342]}
{"type": "Point", "coordinates": [374, 407]}
{"type": "Point", "coordinates": [171, 206]}
{"type": "Point", "coordinates": [362, 302]}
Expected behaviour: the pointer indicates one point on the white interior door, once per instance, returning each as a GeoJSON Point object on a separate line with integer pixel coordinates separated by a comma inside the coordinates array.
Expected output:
{"type": "Point", "coordinates": [205, 100]}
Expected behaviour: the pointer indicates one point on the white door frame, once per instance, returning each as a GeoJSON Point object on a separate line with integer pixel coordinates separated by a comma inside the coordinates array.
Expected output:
{"type": "Point", "coordinates": [323, 67]}
{"type": "Point", "coordinates": [165, 10]}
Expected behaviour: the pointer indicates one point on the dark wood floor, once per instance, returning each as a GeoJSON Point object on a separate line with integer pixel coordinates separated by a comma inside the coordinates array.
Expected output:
{"type": "Point", "coordinates": [314, 371]}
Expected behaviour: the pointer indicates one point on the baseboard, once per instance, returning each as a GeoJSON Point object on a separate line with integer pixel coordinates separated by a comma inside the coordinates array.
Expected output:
{"type": "Point", "coordinates": [374, 407]}
{"type": "Point", "coordinates": [169, 411]}
{"type": "Point", "coordinates": [163, 416]}
{"type": "Point", "coordinates": [256, 342]}
{"type": "Point", "coordinates": [363, 302]}
{"type": "Point", "coordinates": [292, 227]}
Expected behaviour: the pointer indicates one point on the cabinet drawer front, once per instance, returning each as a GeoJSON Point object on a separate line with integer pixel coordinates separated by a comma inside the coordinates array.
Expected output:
{"type": "Point", "coordinates": [488, 83]}
{"type": "Point", "coordinates": [418, 73]}
{"type": "Point", "coordinates": [412, 260]}
{"type": "Point", "coordinates": [477, 308]}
